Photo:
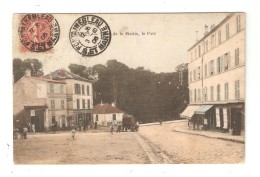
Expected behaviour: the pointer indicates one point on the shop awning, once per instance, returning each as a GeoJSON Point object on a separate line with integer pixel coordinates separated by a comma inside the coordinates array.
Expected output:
{"type": "Point", "coordinates": [189, 111]}
{"type": "Point", "coordinates": [203, 109]}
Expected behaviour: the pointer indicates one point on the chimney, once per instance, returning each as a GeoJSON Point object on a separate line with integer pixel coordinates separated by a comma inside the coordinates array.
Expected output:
{"type": "Point", "coordinates": [197, 38]}
{"type": "Point", "coordinates": [101, 103]}
{"type": "Point", "coordinates": [51, 76]}
{"type": "Point", "coordinates": [212, 26]}
{"type": "Point", "coordinates": [113, 104]}
{"type": "Point", "coordinates": [28, 73]}
{"type": "Point", "coordinates": [206, 29]}
{"type": "Point", "coordinates": [62, 73]}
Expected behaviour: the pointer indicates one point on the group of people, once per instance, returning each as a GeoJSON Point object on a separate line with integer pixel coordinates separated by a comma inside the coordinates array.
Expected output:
{"type": "Point", "coordinates": [23, 133]}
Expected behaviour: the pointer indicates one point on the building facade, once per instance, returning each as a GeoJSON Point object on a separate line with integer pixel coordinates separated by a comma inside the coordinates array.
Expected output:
{"type": "Point", "coordinates": [106, 114]}
{"type": "Point", "coordinates": [39, 103]}
{"type": "Point", "coordinates": [79, 92]}
{"type": "Point", "coordinates": [217, 76]}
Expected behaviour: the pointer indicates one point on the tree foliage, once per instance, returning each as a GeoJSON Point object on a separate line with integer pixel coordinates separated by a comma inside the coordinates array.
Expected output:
{"type": "Point", "coordinates": [20, 66]}
{"type": "Point", "coordinates": [146, 95]}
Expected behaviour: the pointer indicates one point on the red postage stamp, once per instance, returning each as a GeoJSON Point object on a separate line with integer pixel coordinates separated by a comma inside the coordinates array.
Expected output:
{"type": "Point", "coordinates": [38, 32]}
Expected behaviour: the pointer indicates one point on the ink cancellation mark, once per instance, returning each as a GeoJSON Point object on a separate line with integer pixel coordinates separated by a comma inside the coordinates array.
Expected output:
{"type": "Point", "coordinates": [39, 32]}
{"type": "Point", "coordinates": [90, 35]}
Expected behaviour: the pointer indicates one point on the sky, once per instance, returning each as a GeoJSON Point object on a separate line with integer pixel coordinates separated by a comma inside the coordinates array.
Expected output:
{"type": "Point", "coordinates": [172, 35]}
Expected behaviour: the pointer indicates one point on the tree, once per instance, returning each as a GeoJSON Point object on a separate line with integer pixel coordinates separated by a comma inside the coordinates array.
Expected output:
{"type": "Point", "coordinates": [137, 91]}
{"type": "Point", "coordinates": [20, 66]}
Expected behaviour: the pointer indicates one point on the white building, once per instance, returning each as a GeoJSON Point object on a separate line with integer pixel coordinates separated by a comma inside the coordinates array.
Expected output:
{"type": "Point", "coordinates": [105, 114]}
{"type": "Point", "coordinates": [217, 76]}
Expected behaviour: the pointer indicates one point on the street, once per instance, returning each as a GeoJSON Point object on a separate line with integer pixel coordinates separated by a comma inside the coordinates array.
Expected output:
{"type": "Point", "coordinates": [151, 145]}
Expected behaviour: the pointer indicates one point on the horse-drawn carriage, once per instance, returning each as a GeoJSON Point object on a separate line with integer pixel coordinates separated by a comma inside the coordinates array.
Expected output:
{"type": "Point", "coordinates": [129, 123]}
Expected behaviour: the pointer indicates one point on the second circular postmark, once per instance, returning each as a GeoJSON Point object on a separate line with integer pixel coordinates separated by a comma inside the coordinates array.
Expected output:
{"type": "Point", "coordinates": [90, 35]}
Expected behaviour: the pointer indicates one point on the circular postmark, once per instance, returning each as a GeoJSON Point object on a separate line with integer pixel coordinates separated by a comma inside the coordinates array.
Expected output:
{"type": "Point", "coordinates": [39, 32]}
{"type": "Point", "coordinates": [90, 35]}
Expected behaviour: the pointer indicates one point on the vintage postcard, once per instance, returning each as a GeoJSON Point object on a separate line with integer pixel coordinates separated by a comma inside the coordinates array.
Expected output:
{"type": "Point", "coordinates": [129, 88]}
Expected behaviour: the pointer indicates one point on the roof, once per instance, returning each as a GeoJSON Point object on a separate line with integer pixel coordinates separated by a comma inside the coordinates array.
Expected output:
{"type": "Point", "coordinates": [213, 30]}
{"type": "Point", "coordinates": [106, 109]}
{"type": "Point", "coordinates": [62, 74]}
{"type": "Point", "coordinates": [49, 80]}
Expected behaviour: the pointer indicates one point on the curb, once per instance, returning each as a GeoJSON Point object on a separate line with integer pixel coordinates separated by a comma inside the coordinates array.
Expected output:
{"type": "Point", "coordinates": [226, 139]}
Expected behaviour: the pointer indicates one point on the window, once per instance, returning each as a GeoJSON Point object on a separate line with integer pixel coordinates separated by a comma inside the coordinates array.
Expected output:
{"type": "Point", "coordinates": [221, 64]}
{"type": "Point", "coordinates": [237, 89]}
{"type": "Point", "coordinates": [88, 103]}
{"type": "Point", "coordinates": [227, 31]}
{"type": "Point", "coordinates": [238, 23]}
{"type": "Point", "coordinates": [219, 37]}
{"type": "Point", "coordinates": [87, 90]}
{"type": "Point", "coordinates": [212, 93]}
{"type": "Point", "coordinates": [62, 104]}
{"type": "Point", "coordinates": [211, 67]}
{"type": "Point", "coordinates": [77, 88]}
{"type": "Point", "coordinates": [195, 95]}
{"type": "Point", "coordinates": [190, 76]}
{"type": "Point", "coordinates": [205, 94]}
{"type": "Point", "coordinates": [199, 50]}
{"type": "Point", "coordinates": [194, 75]}
{"type": "Point", "coordinates": [114, 116]}
{"type": "Point", "coordinates": [206, 45]}
{"type": "Point", "coordinates": [78, 104]}
{"type": "Point", "coordinates": [61, 89]}
{"type": "Point", "coordinates": [226, 91]}
{"type": "Point", "coordinates": [237, 57]}
{"type": "Point", "coordinates": [96, 117]}
{"type": "Point", "coordinates": [52, 104]}
{"type": "Point", "coordinates": [83, 103]}
{"type": "Point", "coordinates": [213, 41]}
{"type": "Point", "coordinates": [226, 61]}
{"type": "Point", "coordinates": [52, 88]}
{"type": "Point", "coordinates": [218, 65]}
{"type": "Point", "coordinates": [83, 89]}
{"type": "Point", "coordinates": [195, 53]}
{"type": "Point", "coordinates": [53, 119]}
{"type": "Point", "coordinates": [190, 96]}
{"type": "Point", "coordinates": [199, 95]}
{"type": "Point", "coordinates": [218, 92]}
{"type": "Point", "coordinates": [198, 72]}
{"type": "Point", "coordinates": [205, 70]}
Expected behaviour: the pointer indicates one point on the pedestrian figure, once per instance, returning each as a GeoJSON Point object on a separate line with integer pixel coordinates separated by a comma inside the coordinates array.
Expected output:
{"type": "Point", "coordinates": [118, 128]}
{"type": "Point", "coordinates": [25, 131]}
{"type": "Point", "coordinates": [111, 129]}
{"type": "Point", "coordinates": [95, 125]}
{"type": "Point", "coordinates": [73, 132]}
{"type": "Point", "coordinates": [33, 128]}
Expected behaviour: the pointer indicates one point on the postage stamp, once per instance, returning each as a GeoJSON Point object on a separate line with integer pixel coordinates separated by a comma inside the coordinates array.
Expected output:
{"type": "Point", "coordinates": [39, 32]}
{"type": "Point", "coordinates": [90, 35]}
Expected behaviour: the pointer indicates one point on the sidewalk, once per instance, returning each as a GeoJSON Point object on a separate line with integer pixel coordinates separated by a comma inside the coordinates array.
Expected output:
{"type": "Point", "coordinates": [182, 126]}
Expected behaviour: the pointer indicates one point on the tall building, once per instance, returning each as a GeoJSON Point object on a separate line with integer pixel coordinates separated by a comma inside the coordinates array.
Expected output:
{"type": "Point", "coordinates": [217, 76]}
{"type": "Point", "coordinates": [79, 93]}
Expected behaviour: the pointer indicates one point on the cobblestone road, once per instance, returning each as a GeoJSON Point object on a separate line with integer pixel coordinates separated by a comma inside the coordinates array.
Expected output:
{"type": "Point", "coordinates": [152, 144]}
{"type": "Point", "coordinates": [187, 148]}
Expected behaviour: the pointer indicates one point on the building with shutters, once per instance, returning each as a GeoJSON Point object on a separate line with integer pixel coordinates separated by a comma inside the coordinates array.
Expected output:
{"type": "Point", "coordinates": [79, 92]}
{"type": "Point", "coordinates": [217, 77]}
